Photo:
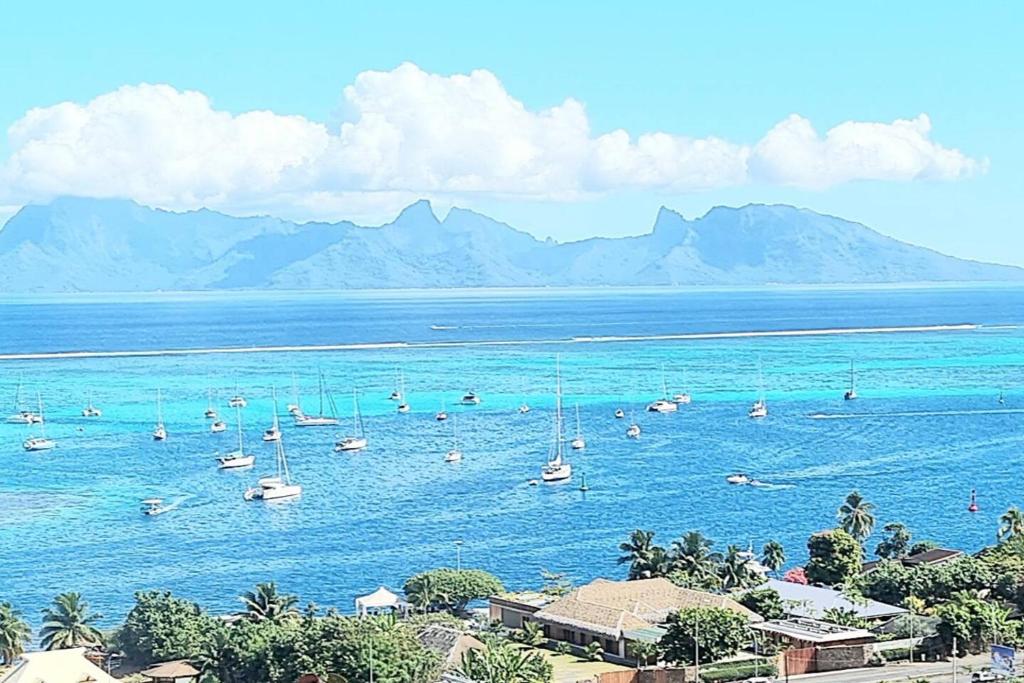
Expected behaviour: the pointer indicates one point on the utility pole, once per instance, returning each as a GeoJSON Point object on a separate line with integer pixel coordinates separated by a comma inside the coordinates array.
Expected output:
{"type": "Point", "coordinates": [954, 659]}
{"type": "Point", "coordinates": [696, 649]}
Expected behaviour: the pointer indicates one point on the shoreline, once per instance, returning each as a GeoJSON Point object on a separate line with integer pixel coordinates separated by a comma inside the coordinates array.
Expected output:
{"type": "Point", "coordinates": [364, 346]}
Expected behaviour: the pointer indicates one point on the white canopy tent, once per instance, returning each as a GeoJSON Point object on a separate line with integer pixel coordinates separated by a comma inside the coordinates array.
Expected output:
{"type": "Point", "coordinates": [381, 600]}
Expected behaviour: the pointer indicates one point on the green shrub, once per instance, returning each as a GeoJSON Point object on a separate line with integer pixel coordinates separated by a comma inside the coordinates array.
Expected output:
{"type": "Point", "coordinates": [737, 671]}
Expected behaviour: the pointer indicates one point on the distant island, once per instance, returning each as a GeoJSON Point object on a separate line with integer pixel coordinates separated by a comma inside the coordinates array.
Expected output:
{"type": "Point", "coordinates": [111, 245]}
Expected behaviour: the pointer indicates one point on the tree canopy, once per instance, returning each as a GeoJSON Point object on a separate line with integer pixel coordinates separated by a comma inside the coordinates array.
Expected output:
{"type": "Point", "coordinates": [161, 627]}
{"type": "Point", "coordinates": [719, 632]}
{"type": "Point", "coordinates": [835, 557]}
{"type": "Point", "coordinates": [450, 589]}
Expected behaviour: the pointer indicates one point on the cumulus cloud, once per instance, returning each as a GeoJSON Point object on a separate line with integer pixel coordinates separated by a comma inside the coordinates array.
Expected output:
{"type": "Point", "coordinates": [412, 133]}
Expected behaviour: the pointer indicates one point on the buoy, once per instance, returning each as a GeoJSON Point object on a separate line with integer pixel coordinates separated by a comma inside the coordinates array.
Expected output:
{"type": "Point", "coordinates": [583, 486]}
{"type": "Point", "coordinates": [973, 507]}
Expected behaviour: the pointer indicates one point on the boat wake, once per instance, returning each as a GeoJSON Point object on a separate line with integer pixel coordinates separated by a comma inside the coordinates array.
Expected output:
{"type": "Point", "coordinates": [363, 346]}
{"type": "Point", "coordinates": [915, 413]}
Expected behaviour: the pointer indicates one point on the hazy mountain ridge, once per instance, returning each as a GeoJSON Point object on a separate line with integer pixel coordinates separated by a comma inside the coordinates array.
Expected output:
{"type": "Point", "coordinates": [75, 244]}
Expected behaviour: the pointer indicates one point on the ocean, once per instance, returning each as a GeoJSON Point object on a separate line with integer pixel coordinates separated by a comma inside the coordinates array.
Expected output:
{"type": "Point", "coordinates": [926, 429]}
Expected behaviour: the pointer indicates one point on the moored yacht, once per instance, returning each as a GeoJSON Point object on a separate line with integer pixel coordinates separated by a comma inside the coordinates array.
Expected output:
{"type": "Point", "coordinates": [633, 431]}
{"type": "Point", "coordinates": [557, 469]}
{"type": "Point", "coordinates": [294, 408]}
{"type": "Point", "coordinates": [159, 432]}
{"type": "Point", "coordinates": [759, 408]}
{"type": "Point", "coordinates": [23, 415]}
{"type": "Point", "coordinates": [442, 414]}
{"type": "Point", "coordinates": [278, 487]}
{"type": "Point", "coordinates": [237, 458]}
{"type": "Point", "coordinates": [470, 399]}
{"type": "Point", "coordinates": [39, 443]}
{"type": "Point", "coordinates": [455, 454]}
{"type": "Point", "coordinates": [322, 419]}
{"type": "Point", "coordinates": [274, 433]}
{"type": "Point", "coordinates": [237, 401]}
{"type": "Point", "coordinates": [91, 410]}
{"type": "Point", "coordinates": [578, 443]}
{"type": "Point", "coordinates": [357, 441]}
{"type": "Point", "coordinates": [851, 393]}
{"type": "Point", "coordinates": [218, 427]}
{"type": "Point", "coordinates": [682, 399]}
{"type": "Point", "coordinates": [403, 406]}
{"type": "Point", "coordinates": [524, 408]}
{"type": "Point", "coordinates": [662, 405]}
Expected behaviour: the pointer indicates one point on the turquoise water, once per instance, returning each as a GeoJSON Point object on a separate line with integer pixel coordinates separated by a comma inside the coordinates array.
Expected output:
{"type": "Point", "coordinates": [926, 430]}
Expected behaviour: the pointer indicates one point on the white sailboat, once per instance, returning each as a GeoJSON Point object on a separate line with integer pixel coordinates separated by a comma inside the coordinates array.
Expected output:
{"type": "Point", "coordinates": [39, 443]}
{"type": "Point", "coordinates": [274, 433]}
{"type": "Point", "coordinates": [760, 408]}
{"type": "Point", "coordinates": [663, 405]}
{"type": "Point", "coordinates": [211, 412]}
{"type": "Point", "coordinates": [23, 415]}
{"type": "Point", "coordinates": [578, 443]}
{"type": "Point", "coordinates": [442, 414]}
{"type": "Point", "coordinates": [322, 419]}
{"type": "Point", "coordinates": [218, 427]}
{"type": "Point", "coordinates": [524, 408]}
{"type": "Point", "coordinates": [683, 398]}
{"type": "Point", "coordinates": [296, 407]}
{"type": "Point", "coordinates": [90, 410]}
{"type": "Point", "coordinates": [455, 454]}
{"type": "Point", "coordinates": [403, 407]}
{"type": "Point", "coordinates": [357, 441]}
{"type": "Point", "coordinates": [398, 395]}
{"type": "Point", "coordinates": [557, 469]}
{"type": "Point", "coordinates": [633, 431]}
{"type": "Point", "coordinates": [237, 401]}
{"type": "Point", "coordinates": [238, 458]}
{"type": "Point", "coordinates": [277, 487]}
{"type": "Point", "coordinates": [851, 393]}
{"type": "Point", "coordinates": [160, 432]}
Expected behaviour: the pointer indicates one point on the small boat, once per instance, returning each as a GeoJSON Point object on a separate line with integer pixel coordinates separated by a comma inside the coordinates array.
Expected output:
{"type": "Point", "coordinates": [532, 482]}
{"type": "Point", "coordinates": [357, 441]}
{"type": "Point", "coordinates": [524, 408]}
{"type": "Point", "coordinates": [153, 506]}
{"type": "Point", "coordinates": [739, 478]}
{"type": "Point", "coordinates": [454, 455]}
{"type": "Point", "coordinates": [578, 443]}
{"type": "Point", "coordinates": [322, 419]}
{"type": "Point", "coordinates": [211, 412]}
{"type": "Point", "coordinates": [851, 393]}
{"type": "Point", "coordinates": [556, 468]}
{"type": "Point", "coordinates": [397, 395]}
{"type": "Point", "coordinates": [663, 405]}
{"type": "Point", "coordinates": [237, 401]}
{"type": "Point", "coordinates": [278, 487]}
{"type": "Point", "coordinates": [442, 414]}
{"type": "Point", "coordinates": [39, 443]}
{"type": "Point", "coordinates": [759, 408]}
{"type": "Point", "coordinates": [973, 507]}
{"type": "Point", "coordinates": [1002, 399]}
{"type": "Point", "coordinates": [238, 458]}
{"type": "Point", "coordinates": [470, 399]}
{"type": "Point", "coordinates": [633, 431]}
{"type": "Point", "coordinates": [91, 410]}
{"type": "Point", "coordinates": [159, 432]}
{"type": "Point", "coordinates": [23, 415]}
{"type": "Point", "coordinates": [294, 408]}
{"type": "Point", "coordinates": [403, 407]}
{"type": "Point", "coordinates": [619, 414]}
{"type": "Point", "coordinates": [683, 399]}
{"type": "Point", "coordinates": [218, 427]}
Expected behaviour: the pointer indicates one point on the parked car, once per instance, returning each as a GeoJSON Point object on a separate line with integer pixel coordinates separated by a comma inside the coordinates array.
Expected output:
{"type": "Point", "coordinates": [986, 675]}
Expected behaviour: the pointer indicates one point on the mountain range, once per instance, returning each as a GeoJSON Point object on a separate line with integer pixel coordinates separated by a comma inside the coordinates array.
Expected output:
{"type": "Point", "coordinates": [109, 245]}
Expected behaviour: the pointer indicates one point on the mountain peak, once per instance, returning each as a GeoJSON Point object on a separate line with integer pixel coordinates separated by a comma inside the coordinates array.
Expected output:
{"type": "Point", "coordinates": [418, 212]}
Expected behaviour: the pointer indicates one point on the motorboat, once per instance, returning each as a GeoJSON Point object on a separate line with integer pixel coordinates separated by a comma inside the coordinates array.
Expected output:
{"type": "Point", "coordinates": [278, 487]}
{"type": "Point", "coordinates": [322, 419]}
{"type": "Point", "coordinates": [219, 426]}
{"type": "Point", "coordinates": [619, 414]}
{"type": "Point", "coordinates": [739, 478]}
{"type": "Point", "coordinates": [154, 506]}
{"type": "Point", "coordinates": [357, 441]}
{"type": "Point", "coordinates": [159, 432]}
{"type": "Point", "coordinates": [851, 393]}
{"type": "Point", "coordinates": [662, 405]}
{"type": "Point", "coordinates": [470, 399]}
{"type": "Point", "coordinates": [556, 468]}
{"type": "Point", "coordinates": [578, 443]}
{"type": "Point", "coordinates": [523, 408]}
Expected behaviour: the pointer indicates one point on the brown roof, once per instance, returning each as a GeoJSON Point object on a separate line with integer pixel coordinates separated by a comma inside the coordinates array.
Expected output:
{"type": "Point", "coordinates": [611, 607]}
{"type": "Point", "coordinates": [448, 642]}
{"type": "Point", "coordinates": [177, 669]}
{"type": "Point", "coordinates": [933, 556]}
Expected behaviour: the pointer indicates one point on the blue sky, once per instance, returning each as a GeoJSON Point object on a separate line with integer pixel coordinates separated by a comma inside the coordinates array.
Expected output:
{"type": "Point", "coordinates": [724, 76]}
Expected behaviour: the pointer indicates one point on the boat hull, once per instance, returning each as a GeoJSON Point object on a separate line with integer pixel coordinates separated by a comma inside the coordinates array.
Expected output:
{"type": "Point", "coordinates": [315, 421]}
{"type": "Point", "coordinates": [39, 445]}
{"type": "Point", "coordinates": [236, 463]}
{"type": "Point", "coordinates": [350, 444]}
{"type": "Point", "coordinates": [558, 473]}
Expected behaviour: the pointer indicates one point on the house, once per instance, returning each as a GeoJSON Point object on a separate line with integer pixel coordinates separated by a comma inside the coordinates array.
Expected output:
{"type": "Point", "coordinates": [810, 645]}
{"type": "Point", "coordinates": [812, 602]}
{"type": "Point", "coordinates": [611, 613]}
{"type": "Point", "coordinates": [450, 643]}
{"type": "Point", "coordinates": [932, 557]}
{"type": "Point", "coordinates": [56, 666]}
{"type": "Point", "coordinates": [178, 671]}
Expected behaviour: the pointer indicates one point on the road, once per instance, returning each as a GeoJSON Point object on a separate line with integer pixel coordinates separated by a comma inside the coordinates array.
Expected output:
{"type": "Point", "coordinates": [937, 672]}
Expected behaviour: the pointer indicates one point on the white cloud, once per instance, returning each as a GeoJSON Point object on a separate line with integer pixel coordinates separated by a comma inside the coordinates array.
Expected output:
{"type": "Point", "coordinates": [412, 133]}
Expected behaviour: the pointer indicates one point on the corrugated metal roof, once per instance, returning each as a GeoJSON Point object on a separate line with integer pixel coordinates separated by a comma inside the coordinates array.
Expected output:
{"type": "Point", "coordinates": [812, 601]}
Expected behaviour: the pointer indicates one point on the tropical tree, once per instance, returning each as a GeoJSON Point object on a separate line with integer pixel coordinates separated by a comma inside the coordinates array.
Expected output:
{"type": "Point", "coordinates": [896, 544]}
{"type": "Point", "coordinates": [773, 556]}
{"type": "Point", "coordinates": [646, 560]}
{"type": "Point", "coordinates": [593, 651]}
{"type": "Point", "coordinates": [720, 632]}
{"type": "Point", "coordinates": [764, 602]}
{"type": "Point", "coordinates": [843, 616]}
{"type": "Point", "coordinates": [265, 603]}
{"type": "Point", "coordinates": [451, 589]}
{"type": "Point", "coordinates": [68, 623]}
{"type": "Point", "coordinates": [531, 634]}
{"type": "Point", "coordinates": [692, 556]}
{"type": "Point", "coordinates": [642, 651]}
{"type": "Point", "coordinates": [856, 516]}
{"type": "Point", "coordinates": [502, 662]}
{"type": "Point", "coordinates": [1011, 525]}
{"type": "Point", "coordinates": [14, 633]}
{"type": "Point", "coordinates": [835, 557]}
{"type": "Point", "coordinates": [734, 571]}
{"type": "Point", "coordinates": [161, 627]}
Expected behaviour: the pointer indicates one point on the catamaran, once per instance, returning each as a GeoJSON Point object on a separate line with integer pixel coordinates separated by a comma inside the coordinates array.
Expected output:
{"type": "Point", "coordinates": [663, 405]}
{"type": "Point", "coordinates": [278, 487]}
{"type": "Point", "coordinates": [557, 469]}
{"type": "Point", "coordinates": [91, 410]}
{"type": "Point", "coordinates": [274, 433]}
{"type": "Point", "coordinates": [39, 443]}
{"type": "Point", "coordinates": [321, 419]}
{"type": "Point", "coordinates": [578, 443]}
{"type": "Point", "coordinates": [160, 432]}
{"type": "Point", "coordinates": [760, 408]}
{"type": "Point", "coordinates": [22, 414]}
{"type": "Point", "coordinates": [238, 458]}
{"type": "Point", "coordinates": [851, 393]}
{"type": "Point", "coordinates": [455, 454]}
{"type": "Point", "coordinates": [357, 441]}
{"type": "Point", "coordinates": [470, 399]}
{"type": "Point", "coordinates": [295, 408]}
{"type": "Point", "coordinates": [237, 401]}
{"type": "Point", "coordinates": [403, 407]}
{"type": "Point", "coordinates": [211, 412]}
{"type": "Point", "coordinates": [218, 427]}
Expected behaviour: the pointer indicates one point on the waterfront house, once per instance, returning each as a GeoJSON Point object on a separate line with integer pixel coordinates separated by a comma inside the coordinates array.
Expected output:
{"type": "Point", "coordinates": [932, 557]}
{"type": "Point", "coordinates": [812, 602]}
{"type": "Point", "coordinates": [56, 666]}
{"type": "Point", "coordinates": [810, 645]}
{"type": "Point", "coordinates": [611, 613]}
{"type": "Point", "coordinates": [178, 671]}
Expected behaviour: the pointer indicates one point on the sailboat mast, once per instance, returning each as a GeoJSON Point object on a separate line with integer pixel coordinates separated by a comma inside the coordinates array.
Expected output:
{"type": "Point", "coordinates": [851, 375]}
{"type": "Point", "coordinates": [42, 418]}
{"type": "Point", "coordinates": [558, 407]}
{"type": "Point", "coordinates": [238, 417]}
{"type": "Point", "coordinates": [159, 409]}
{"type": "Point", "coordinates": [321, 393]}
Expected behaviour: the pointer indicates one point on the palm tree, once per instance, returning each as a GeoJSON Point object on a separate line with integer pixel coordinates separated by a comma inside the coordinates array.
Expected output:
{"type": "Point", "coordinates": [1011, 524]}
{"type": "Point", "coordinates": [856, 516]}
{"type": "Point", "coordinates": [14, 633]}
{"type": "Point", "coordinates": [265, 603]}
{"type": "Point", "coordinates": [642, 651]}
{"type": "Point", "coordinates": [425, 593]}
{"type": "Point", "coordinates": [773, 556]}
{"type": "Point", "coordinates": [692, 555]}
{"type": "Point", "coordinates": [645, 559]}
{"type": "Point", "coordinates": [68, 623]}
{"type": "Point", "coordinates": [733, 570]}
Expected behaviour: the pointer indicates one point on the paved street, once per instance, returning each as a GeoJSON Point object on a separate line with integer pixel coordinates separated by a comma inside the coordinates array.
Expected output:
{"type": "Point", "coordinates": [938, 672]}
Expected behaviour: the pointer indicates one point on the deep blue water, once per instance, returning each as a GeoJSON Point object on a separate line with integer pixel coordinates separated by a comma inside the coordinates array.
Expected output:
{"type": "Point", "coordinates": [69, 518]}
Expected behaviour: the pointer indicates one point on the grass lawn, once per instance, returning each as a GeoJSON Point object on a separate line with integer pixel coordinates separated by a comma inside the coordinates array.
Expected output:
{"type": "Point", "coordinates": [569, 669]}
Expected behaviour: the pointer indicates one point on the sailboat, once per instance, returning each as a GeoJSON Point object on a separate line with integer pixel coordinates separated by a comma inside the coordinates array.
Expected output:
{"type": "Point", "coordinates": [442, 414]}
{"type": "Point", "coordinates": [663, 405]}
{"type": "Point", "coordinates": [90, 410]}
{"type": "Point", "coordinates": [403, 407]}
{"type": "Point", "coordinates": [454, 455]}
{"type": "Point", "coordinates": [211, 412]}
{"type": "Point", "coordinates": [851, 393]}
{"type": "Point", "coordinates": [39, 443]}
{"type": "Point", "coordinates": [296, 407]}
{"type": "Point", "coordinates": [23, 415]}
{"type": "Point", "coordinates": [557, 469]}
{"type": "Point", "coordinates": [218, 426]}
{"type": "Point", "coordinates": [398, 395]}
{"type": "Point", "coordinates": [278, 487]}
{"type": "Point", "coordinates": [321, 419]}
{"type": "Point", "coordinates": [160, 433]}
{"type": "Point", "coordinates": [760, 408]}
{"type": "Point", "coordinates": [578, 443]}
{"type": "Point", "coordinates": [236, 459]}
{"type": "Point", "coordinates": [357, 441]}
{"type": "Point", "coordinates": [682, 398]}
{"type": "Point", "coordinates": [274, 433]}
{"type": "Point", "coordinates": [237, 401]}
